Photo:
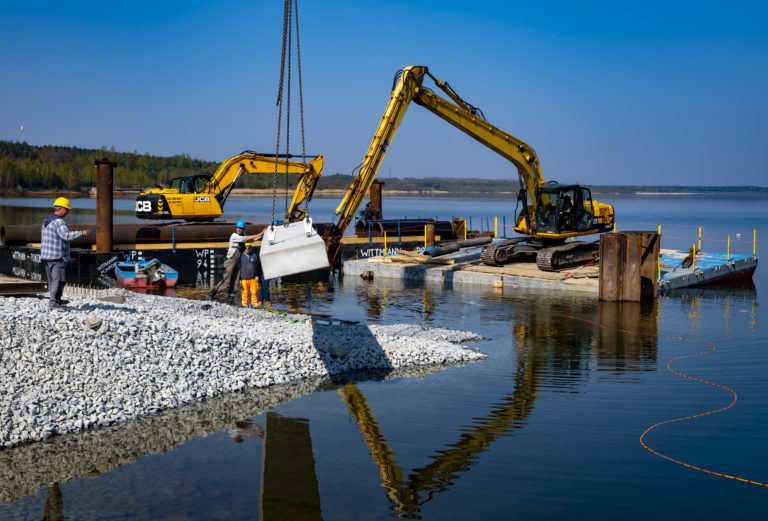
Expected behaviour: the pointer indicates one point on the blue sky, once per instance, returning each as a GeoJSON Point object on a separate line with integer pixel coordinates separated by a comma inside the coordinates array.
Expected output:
{"type": "Point", "coordinates": [606, 92]}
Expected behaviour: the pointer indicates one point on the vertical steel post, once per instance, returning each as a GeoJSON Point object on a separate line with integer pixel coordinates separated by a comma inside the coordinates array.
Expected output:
{"type": "Point", "coordinates": [375, 196]}
{"type": "Point", "coordinates": [429, 234]}
{"type": "Point", "coordinates": [104, 174]}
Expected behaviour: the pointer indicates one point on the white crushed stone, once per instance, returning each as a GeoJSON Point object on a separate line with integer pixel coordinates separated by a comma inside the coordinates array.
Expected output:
{"type": "Point", "coordinates": [99, 362]}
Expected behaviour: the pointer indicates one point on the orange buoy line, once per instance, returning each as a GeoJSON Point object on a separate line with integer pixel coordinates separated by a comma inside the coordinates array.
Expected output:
{"type": "Point", "coordinates": [669, 368]}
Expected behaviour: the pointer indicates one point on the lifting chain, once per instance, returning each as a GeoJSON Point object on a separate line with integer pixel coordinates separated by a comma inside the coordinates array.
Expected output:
{"type": "Point", "coordinates": [286, 49]}
{"type": "Point", "coordinates": [301, 101]}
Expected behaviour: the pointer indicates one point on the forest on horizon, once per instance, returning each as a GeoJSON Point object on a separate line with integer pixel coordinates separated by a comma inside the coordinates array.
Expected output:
{"type": "Point", "coordinates": [28, 168]}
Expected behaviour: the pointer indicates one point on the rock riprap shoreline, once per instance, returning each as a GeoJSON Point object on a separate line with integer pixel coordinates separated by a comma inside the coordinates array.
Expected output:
{"type": "Point", "coordinates": [101, 362]}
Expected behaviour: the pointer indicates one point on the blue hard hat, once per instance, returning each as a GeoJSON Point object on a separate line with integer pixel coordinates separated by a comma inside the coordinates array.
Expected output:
{"type": "Point", "coordinates": [240, 224]}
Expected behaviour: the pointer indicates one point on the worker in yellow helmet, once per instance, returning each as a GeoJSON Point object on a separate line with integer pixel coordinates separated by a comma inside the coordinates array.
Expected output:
{"type": "Point", "coordinates": [54, 250]}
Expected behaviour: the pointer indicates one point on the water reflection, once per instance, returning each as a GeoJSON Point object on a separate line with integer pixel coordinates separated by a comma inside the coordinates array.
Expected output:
{"type": "Point", "coordinates": [553, 352]}
{"type": "Point", "coordinates": [54, 504]}
{"type": "Point", "coordinates": [628, 340]}
{"type": "Point", "coordinates": [289, 488]}
{"type": "Point", "coordinates": [26, 469]}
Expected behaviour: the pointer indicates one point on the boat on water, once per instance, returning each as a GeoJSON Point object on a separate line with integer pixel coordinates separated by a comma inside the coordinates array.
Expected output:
{"type": "Point", "coordinates": [145, 273]}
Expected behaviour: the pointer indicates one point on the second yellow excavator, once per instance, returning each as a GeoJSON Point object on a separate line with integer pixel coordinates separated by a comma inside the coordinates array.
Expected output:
{"type": "Point", "coordinates": [551, 212]}
{"type": "Point", "coordinates": [202, 197]}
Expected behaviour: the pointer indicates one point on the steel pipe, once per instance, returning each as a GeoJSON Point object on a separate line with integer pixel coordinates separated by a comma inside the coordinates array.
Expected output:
{"type": "Point", "coordinates": [178, 233]}
{"type": "Point", "coordinates": [104, 169]}
{"type": "Point", "coordinates": [453, 246]}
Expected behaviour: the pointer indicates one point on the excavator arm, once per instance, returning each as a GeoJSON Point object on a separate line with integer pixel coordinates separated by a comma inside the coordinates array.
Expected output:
{"type": "Point", "coordinates": [224, 178]}
{"type": "Point", "coordinates": [408, 87]}
{"type": "Point", "coordinates": [590, 217]}
{"type": "Point", "coordinates": [201, 197]}
{"type": "Point", "coordinates": [458, 113]}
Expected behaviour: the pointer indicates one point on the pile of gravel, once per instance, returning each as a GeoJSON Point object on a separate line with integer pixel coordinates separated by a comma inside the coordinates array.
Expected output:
{"type": "Point", "coordinates": [101, 362]}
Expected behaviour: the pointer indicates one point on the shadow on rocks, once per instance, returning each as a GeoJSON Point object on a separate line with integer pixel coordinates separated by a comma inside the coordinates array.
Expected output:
{"type": "Point", "coordinates": [350, 352]}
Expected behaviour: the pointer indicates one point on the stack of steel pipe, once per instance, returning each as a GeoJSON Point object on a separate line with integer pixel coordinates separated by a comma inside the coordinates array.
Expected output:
{"type": "Point", "coordinates": [167, 233]}
{"type": "Point", "coordinates": [453, 246]}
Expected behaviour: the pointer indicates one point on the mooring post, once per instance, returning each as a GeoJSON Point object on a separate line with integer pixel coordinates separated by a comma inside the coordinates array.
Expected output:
{"type": "Point", "coordinates": [375, 196]}
{"type": "Point", "coordinates": [104, 174]}
{"type": "Point", "coordinates": [628, 266]}
{"type": "Point", "coordinates": [429, 234]}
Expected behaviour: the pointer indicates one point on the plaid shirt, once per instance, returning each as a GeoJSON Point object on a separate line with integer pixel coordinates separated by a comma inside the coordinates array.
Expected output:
{"type": "Point", "coordinates": [54, 241]}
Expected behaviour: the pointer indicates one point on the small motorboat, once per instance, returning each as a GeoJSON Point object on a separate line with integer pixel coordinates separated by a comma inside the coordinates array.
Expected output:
{"type": "Point", "coordinates": [146, 273]}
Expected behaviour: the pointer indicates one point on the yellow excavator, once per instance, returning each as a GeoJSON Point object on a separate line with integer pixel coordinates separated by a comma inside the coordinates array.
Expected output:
{"type": "Point", "coordinates": [551, 212]}
{"type": "Point", "coordinates": [201, 197]}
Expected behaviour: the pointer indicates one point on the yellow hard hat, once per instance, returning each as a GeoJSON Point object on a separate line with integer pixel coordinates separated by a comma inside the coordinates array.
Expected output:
{"type": "Point", "coordinates": [247, 244]}
{"type": "Point", "coordinates": [62, 201]}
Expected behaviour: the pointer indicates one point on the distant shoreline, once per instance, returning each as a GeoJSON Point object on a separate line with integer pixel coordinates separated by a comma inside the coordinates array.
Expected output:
{"type": "Point", "coordinates": [329, 193]}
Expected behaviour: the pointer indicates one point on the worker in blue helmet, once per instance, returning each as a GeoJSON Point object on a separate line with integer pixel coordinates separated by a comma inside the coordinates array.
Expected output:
{"type": "Point", "coordinates": [232, 263]}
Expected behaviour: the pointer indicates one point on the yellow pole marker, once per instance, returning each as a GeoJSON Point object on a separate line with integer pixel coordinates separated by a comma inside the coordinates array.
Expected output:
{"type": "Point", "coordinates": [495, 226]}
{"type": "Point", "coordinates": [729, 247]}
{"type": "Point", "coordinates": [385, 244]}
{"type": "Point", "coordinates": [658, 266]}
{"type": "Point", "coordinates": [659, 232]}
{"type": "Point", "coordinates": [614, 226]}
{"type": "Point", "coordinates": [465, 230]}
{"type": "Point", "coordinates": [699, 238]}
{"type": "Point", "coordinates": [754, 242]}
{"type": "Point", "coordinates": [425, 236]}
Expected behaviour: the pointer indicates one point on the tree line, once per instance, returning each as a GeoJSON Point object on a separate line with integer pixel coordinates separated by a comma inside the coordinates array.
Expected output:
{"type": "Point", "coordinates": [25, 168]}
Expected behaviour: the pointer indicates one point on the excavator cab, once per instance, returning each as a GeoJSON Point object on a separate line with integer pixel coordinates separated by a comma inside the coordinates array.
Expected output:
{"type": "Point", "coordinates": [564, 209]}
{"type": "Point", "coordinates": [190, 184]}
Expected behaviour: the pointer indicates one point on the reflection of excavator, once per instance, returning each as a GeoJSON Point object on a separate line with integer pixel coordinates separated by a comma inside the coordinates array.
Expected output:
{"type": "Point", "coordinates": [542, 365]}
{"type": "Point", "coordinates": [554, 213]}
{"type": "Point", "coordinates": [407, 493]}
{"type": "Point", "coordinates": [202, 197]}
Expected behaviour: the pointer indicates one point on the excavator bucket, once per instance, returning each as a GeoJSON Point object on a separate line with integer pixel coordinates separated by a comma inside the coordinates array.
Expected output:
{"type": "Point", "coordinates": [292, 248]}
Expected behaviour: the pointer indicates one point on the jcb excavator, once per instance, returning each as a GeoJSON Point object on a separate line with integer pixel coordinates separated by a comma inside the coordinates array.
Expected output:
{"type": "Point", "coordinates": [202, 197]}
{"type": "Point", "coordinates": [551, 212]}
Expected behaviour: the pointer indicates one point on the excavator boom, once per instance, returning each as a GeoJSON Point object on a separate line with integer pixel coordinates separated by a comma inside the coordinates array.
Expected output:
{"type": "Point", "coordinates": [587, 217]}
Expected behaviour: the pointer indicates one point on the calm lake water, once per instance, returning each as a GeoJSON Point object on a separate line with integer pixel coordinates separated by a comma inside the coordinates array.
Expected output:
{"type": "Point", "coordinates": [548, 427]}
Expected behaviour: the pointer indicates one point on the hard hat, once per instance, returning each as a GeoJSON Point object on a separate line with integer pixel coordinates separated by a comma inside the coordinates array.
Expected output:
{"type": "Point", "coordinates": [240, 223]}
{"type": "Point", "coordinates": [248, 244]}
{"type": "Point", "coordinates": [62, 201]}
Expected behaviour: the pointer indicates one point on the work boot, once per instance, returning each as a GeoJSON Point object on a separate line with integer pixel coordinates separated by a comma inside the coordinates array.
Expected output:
{"type": "Point", "coordinates": [257, 304]}
{"type": "Point", "coordinates": [268, 304]}
{"type": "Point", "coordinates": [62, 302]}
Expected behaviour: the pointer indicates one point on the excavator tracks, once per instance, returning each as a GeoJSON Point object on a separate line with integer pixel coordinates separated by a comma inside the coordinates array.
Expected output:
{"type": "Point", "coordinates": [511, 250]}
{"type": "Point", "coordinates": [568, 255]}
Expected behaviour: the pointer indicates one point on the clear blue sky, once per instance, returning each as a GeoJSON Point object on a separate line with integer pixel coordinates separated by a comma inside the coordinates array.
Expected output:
{"type": "Point", "coordinates": [653, 92]}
